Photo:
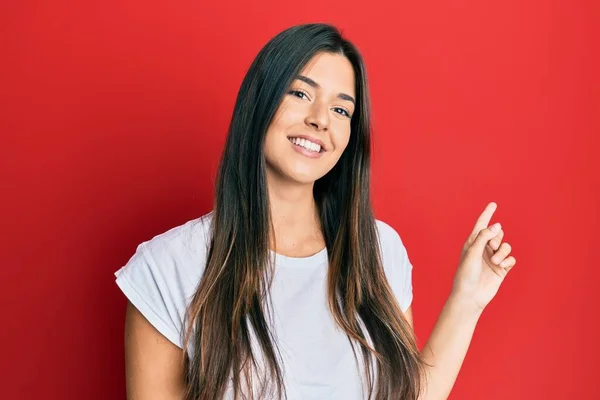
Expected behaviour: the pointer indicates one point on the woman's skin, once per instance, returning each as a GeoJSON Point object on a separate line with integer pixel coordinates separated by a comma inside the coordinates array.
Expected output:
{"type": "Point", "coordinates": [320, 107]}
{"type": "Point", "coordinates": [320, 113]}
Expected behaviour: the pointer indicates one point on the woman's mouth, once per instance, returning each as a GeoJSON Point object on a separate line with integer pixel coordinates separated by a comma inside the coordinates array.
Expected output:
{"type": "Point", "coordinates": [306, 147]}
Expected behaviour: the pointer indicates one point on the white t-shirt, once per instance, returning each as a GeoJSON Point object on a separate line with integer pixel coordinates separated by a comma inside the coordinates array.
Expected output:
{"type": "Point", "coordinates": [317, 358]}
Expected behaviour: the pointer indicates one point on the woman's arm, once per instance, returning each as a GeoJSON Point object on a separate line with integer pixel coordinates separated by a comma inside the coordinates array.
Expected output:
{"type": "Point", "coordinates": [484, 264]}
{"type": "Point", "coordinates": [153, 365]}
{"type": "Point", "coordinates": [447, 346]}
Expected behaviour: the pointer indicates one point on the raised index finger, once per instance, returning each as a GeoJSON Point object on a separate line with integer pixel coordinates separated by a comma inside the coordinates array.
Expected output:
{"type": "Point", "coordinates": [484, 219]}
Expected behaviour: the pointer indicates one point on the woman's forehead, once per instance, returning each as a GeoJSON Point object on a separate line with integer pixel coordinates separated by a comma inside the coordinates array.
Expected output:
{"type": "Point", "coordinates": [331, 72]}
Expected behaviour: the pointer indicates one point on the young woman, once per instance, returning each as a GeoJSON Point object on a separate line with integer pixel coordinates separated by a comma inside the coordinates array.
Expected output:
{"type": "Point", "coordinates": [289, 287]}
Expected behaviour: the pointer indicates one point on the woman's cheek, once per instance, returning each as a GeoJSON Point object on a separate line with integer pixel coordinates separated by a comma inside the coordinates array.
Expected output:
{"type": "Point", "coordinates": [341, 141]}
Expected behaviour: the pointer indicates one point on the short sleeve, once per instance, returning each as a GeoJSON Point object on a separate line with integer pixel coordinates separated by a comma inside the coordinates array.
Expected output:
{"type": "Point", "coordinates": [403, 275]}
{"type": "Point", "coordinates": [397, 265]}
{"type": "Point", "coordinates": [148, 288]}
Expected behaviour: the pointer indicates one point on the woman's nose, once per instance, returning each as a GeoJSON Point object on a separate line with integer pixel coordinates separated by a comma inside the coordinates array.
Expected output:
{"type": "Point", "coordinates": [318, 116]}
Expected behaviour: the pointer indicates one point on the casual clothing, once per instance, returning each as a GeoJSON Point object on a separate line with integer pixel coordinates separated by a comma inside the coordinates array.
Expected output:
{"type": "Point", "coordinates": [317, 358]}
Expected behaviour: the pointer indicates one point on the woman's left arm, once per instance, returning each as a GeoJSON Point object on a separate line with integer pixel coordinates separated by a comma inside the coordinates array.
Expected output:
{"type": "Point", "coordinates": [483, 266]}
{"type": "Point", "coordinates": [447, 346]}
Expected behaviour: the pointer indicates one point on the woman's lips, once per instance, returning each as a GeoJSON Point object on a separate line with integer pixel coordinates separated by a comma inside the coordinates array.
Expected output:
{"type": "Point", "coordinates": [305, 152]}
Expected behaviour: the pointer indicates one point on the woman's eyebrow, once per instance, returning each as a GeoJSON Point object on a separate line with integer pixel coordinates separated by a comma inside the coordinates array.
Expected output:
{"type": "Point", "coordinates": [314, 84]}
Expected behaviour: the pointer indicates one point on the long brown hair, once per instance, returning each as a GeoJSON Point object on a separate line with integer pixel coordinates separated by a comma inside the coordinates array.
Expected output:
{"type": "Point", "coordinates": [228, 312]}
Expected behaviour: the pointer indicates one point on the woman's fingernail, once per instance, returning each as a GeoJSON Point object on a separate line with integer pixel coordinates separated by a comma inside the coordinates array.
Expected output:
{"type": "Point", "coordinates": [495, 227]}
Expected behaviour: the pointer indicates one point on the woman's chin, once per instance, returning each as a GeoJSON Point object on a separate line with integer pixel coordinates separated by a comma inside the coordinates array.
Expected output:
{"type": "Point", "coordinates": [303, 180]}
{"type": "Point", "coordinates": [303, 177]}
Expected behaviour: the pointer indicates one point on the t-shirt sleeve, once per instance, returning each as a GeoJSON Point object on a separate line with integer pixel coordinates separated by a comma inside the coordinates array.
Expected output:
{"type": "Point", "coordinates": [148, 287]}
{"type": "Point", "coordinates": [397, 265]}
{"type": "Point", "coordinates": [402, 284]}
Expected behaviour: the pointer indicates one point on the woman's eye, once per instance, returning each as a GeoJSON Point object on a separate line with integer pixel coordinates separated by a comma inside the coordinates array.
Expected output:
{"type": "Point", "coordinates": [344, 112]}
{"type": "Point", "coordinates": [296, 93]}
{"type": "Point", "coordinates": [299, 94]}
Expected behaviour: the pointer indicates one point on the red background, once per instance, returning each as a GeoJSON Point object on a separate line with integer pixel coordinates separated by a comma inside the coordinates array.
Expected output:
{"type": "Point", "coordinates": [113, 117]}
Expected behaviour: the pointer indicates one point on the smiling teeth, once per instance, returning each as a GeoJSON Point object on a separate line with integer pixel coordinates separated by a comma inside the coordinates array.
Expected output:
{"type": "Point", "coordinates": [308, 145]}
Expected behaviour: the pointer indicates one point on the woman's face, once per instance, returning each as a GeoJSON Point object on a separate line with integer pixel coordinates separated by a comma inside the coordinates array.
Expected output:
{"type": "Point", "coordinates": [311, 127]}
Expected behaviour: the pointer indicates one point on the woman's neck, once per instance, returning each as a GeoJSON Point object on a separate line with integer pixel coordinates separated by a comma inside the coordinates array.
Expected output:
{"type": "Point", "coordinates": [296, 224]}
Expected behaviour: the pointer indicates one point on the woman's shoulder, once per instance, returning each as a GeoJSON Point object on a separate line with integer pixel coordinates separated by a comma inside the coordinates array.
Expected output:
{"type": "Point", "coordinates": [189, 240]}
{"type": "Point", "coordinates": [161, 276]}
{"type": "Point", "coordinates": [392, 245]}
{"type": "Point", "coordinates": [388, 236]}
